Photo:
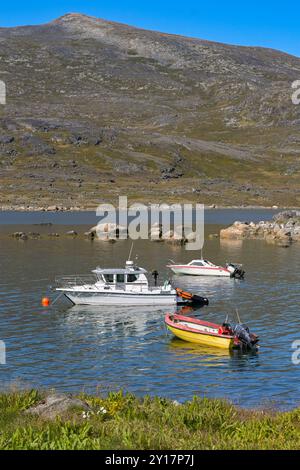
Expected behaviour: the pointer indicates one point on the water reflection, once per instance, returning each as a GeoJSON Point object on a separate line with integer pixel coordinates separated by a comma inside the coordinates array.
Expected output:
{"type": "Point", "coordinates": [205, 283]}
{"type": "Point", "coordinates": [205, 353]}
{"type": "Point", "coordinates": [232, 245]}
{"type": "Point", "coordinates": [121, 321]}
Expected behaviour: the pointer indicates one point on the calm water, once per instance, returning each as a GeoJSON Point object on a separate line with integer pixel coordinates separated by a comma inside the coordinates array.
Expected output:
{"type": "Point", "coordinates": [101, 349]}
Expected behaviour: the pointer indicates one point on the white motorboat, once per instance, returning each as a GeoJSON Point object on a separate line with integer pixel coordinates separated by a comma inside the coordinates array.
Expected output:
{"type": "Point", "coordinates": [202, 267]}
{"type": "Point", "coordinates": [127, 286]}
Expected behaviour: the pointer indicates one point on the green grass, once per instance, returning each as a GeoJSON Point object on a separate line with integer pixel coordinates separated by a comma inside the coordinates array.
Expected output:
{"type": "Point", "coordinates": [146, 423]}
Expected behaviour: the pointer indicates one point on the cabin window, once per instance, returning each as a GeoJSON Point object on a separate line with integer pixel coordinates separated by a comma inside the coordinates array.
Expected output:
{"type": "Point", "coordinates": [109, 278]}
{"type": "Point", "coordinates": [197, 263]}
{"type": "Point", "coordinates": [131, 277]}
{"type": "Point", "coordinates": [120, 278]}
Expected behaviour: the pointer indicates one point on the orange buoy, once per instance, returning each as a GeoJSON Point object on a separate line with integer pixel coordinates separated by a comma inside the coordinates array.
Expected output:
{"type": "Point", "coordinates": [45, 302]}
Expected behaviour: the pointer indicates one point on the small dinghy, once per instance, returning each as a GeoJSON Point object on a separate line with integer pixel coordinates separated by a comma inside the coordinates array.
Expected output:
{"type": "Point", "coordinates": [223, 336]}
{"type": "Point", "coordinates": [189, 297]}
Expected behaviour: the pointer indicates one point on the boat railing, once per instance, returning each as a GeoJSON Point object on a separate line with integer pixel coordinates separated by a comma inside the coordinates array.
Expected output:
{"type": "Point", "coordinates": [75, 280]}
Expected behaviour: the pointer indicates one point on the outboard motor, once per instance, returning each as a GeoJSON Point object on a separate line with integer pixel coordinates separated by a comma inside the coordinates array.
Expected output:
{"type": "Point", "coordinates": [236, 270]}
{"type": "Point", "coordinates": [247, 339]}
{"type": "Point", "coordinates": [239, 273]}
{"type": "Point", "coordinates": [200, 300]}
{"type": "Point", "coordinates": [192, 298]}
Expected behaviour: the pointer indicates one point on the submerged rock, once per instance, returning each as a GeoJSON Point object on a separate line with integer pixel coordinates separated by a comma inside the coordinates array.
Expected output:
{"type": "Point", "coordinates": [190, 237]}
{"type": "Point", "coordinates": [174, 237]}
{"type": "Point", "coordinates": [90, 235]}
{"type": "Point", "coordinates": [109, 231]}
{"type": "Point", "coordinates": [18, 234]}
{"type": "Point", "coordinates": [72, 233]}
{"type": "Point", "coordinates": [34, 235]}
{"type": "Point", "coordinates": [155, 233]}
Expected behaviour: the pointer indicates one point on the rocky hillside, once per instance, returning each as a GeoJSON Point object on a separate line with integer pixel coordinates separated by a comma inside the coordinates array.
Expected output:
{"type": "Point", "coordinates": [96, 108]}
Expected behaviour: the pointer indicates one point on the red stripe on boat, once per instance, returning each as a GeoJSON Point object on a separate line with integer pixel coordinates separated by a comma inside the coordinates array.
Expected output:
{"type": "Point", "coordinates": [197, 267]}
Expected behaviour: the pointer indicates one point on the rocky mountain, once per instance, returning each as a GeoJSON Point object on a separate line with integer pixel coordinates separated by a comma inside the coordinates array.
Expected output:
{"type": "Point", "coordinates": [96, 109]}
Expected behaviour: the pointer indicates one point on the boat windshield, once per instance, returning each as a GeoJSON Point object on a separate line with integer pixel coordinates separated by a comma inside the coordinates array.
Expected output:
{"type": "Point", "coordinates": [109, 278]}
{"type": "Point", "coordinates": [208, 262]}
{"type": "Point", "coordinates": [119, 278]}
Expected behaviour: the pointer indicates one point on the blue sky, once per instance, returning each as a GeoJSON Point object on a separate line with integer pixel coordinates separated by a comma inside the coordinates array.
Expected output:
{"type": "Point", "coordinates": [255, 23]}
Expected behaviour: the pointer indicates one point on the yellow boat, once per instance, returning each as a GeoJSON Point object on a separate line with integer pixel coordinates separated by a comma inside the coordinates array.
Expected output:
{"type": "Point", "coordinates": [210, 334]}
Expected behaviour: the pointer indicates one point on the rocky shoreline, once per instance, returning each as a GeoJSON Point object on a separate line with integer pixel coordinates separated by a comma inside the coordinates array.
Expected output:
{"type": "Point", "coordinates": [59, 208]}
{"type": "Point", "coordinates": [110, 232]}
{"type": "Point", "coordinates": [283, 230]}
{"type": "Point", "coordinates": [52, 208]}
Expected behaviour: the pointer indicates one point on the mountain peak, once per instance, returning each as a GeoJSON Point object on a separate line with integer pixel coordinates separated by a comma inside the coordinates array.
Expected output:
{"type": "Point", "coordinates": [75, 17]}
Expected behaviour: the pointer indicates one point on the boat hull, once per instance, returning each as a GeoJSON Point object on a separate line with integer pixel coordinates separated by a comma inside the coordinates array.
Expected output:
{"type": "Point", "coordinates": [198, 331]}
{"type": "Point", "coordinates": [199, 271]}
{"type": "Point", "coordinates": [84, 298]}
{"type": "Point", "coordinates": [205, 340]}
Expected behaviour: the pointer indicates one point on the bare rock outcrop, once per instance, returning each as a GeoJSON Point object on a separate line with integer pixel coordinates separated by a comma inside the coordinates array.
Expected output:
{"type": "Point", "coordinates": [55, 405]}
{"type": "Point", "coordinates": [236, 231]}
{"type": "Point", "coordinates": [107, 231]}
{"type": "Point", "coordinates": [282, 230]}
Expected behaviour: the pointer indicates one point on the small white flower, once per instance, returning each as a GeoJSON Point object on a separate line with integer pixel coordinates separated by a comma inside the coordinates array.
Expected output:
{"type": "Point", "coordinates": [102, 410]}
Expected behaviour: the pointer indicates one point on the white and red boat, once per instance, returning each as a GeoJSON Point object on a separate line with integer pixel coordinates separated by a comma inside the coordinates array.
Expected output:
{"type": "Point", "coordinates": [202, 267]}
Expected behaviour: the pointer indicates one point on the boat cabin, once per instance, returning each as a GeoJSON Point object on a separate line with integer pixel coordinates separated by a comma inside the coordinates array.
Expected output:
{"type": "Point", "coordinates": [130, 275]}
{"type": "Point", "coordinates": [200, 262]}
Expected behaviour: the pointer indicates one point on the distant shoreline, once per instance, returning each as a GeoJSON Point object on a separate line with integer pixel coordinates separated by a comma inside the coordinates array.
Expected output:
{"type": "Point", "coordinates": [209, 207]}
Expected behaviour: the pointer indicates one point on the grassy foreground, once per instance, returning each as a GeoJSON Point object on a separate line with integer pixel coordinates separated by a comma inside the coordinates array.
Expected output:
{"type": "Point", "coordinates": [122, 421]}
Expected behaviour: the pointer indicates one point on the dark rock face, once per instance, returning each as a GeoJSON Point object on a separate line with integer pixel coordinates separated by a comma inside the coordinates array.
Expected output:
{"type": "Point", "coordinates": [6, 139]}
{"type": "Point", "coordinates": [36, 145]}
{"type": "Point", "coordinates": [291, 217]}
{"type": "Point", "coordinates": [118, 99]}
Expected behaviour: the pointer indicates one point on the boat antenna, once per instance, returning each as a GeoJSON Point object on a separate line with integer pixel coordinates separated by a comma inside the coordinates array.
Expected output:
{"type": "Point", "coordinates": [201, 253]}
{"type": "Point", "coordinates": [130, 252]}
{"type": "Point", "coordinates": [238, 316]}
